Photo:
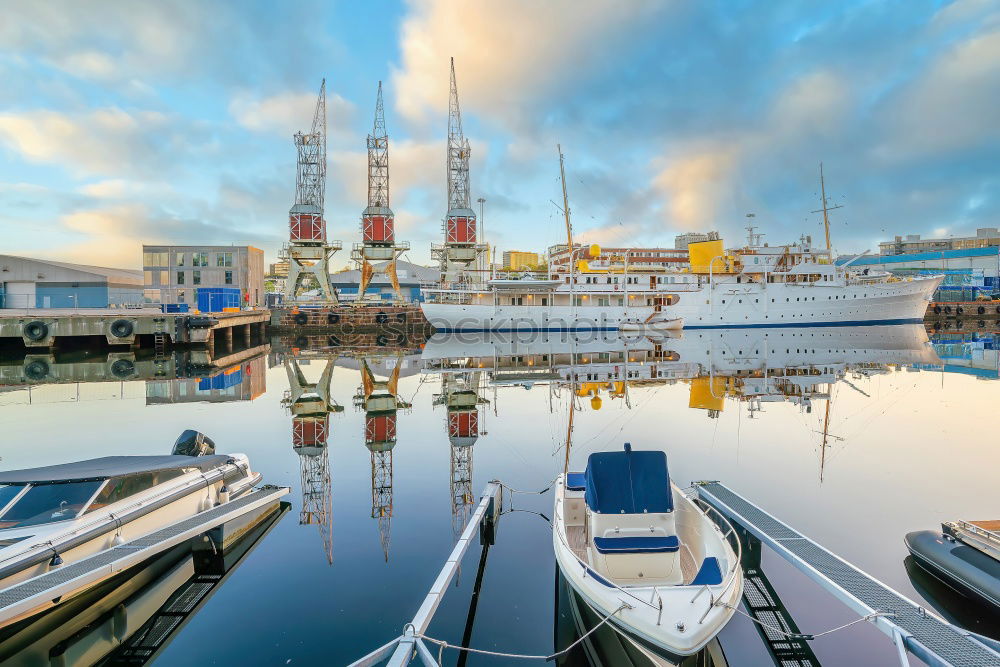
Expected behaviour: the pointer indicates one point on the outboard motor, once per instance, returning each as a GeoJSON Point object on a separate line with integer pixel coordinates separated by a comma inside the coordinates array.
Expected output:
{"type": "Point", "coordinates": [194, 443]}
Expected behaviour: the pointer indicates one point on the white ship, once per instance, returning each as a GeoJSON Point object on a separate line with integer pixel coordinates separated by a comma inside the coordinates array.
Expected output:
{"type": "Point", "coordinates": [753, 286]}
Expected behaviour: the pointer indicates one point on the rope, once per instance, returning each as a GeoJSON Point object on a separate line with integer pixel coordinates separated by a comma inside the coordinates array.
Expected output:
{"type": "Point", "coordinates": [537, 493]}
{"type": "Point", "coordinates": [523, 656]}
{"type": "Point", "coordinates": [802, 635]}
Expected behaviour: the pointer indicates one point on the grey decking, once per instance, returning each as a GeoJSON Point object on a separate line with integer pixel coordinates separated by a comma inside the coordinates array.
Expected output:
{"type": "Point", "coordinates": [925, 635]}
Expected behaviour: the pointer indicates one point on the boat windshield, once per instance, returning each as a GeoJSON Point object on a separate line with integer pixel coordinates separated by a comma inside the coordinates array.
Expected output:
{"type": "Point", "coordinates": [47, 503]}
{"type": "Point", "coordinates": [7, 493]}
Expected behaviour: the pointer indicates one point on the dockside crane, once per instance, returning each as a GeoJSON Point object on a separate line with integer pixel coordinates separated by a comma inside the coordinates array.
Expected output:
{"type": "Point", "coordinates": [310, 404]}
{"type": "Point", "coordinates": [378, 231]}
{"type": "Point", "coordinates": [308, 252]}
{"type": "Point", "coordinates": [460, 246]}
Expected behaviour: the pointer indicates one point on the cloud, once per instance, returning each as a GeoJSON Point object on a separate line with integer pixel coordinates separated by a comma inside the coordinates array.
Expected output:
{"type": "Point", "coordinates": [506, 53]}
{"type": "Point", "coordinates": [103, 141]}
{"type": "Point", "coordinates": [951, 107]}
{"type": "Point", "coordinates": [289, 112]}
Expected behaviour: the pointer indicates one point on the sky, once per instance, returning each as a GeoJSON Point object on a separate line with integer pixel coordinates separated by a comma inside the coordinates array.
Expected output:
{"type": "Point", "coordinates": [125, 123]}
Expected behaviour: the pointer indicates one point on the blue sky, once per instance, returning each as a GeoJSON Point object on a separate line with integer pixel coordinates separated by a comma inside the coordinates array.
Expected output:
{"type": "Point", "coordinates": [123, 123]}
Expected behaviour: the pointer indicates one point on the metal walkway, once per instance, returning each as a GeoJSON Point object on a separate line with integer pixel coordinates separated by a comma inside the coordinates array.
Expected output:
{"type": "Point", "coordinates": [25, 597]}
{"type": "Point", "coordinates": [910, 626]}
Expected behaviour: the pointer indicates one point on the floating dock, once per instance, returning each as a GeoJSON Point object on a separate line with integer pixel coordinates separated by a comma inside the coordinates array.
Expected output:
{"type": "Point", "coordinates": [22, 599]}
{"type": "Point", "coordinates": [911, 627]}
{"type": "Point", "coordinates": [46, 328]}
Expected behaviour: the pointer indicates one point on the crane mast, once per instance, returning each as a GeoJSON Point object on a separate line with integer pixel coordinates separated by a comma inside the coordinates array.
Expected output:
{"type": "Point", "coordinates": [378, 230]}
{"type": "Point", "coordinates": [460, 246]}
{"type": "Point", "coordinates": [308, 252]}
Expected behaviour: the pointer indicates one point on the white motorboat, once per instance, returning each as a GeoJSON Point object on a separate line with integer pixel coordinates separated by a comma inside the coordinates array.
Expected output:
{"type": "Point", "coordinates": [56, 515]}
{"type": "Point", "coordinates": [639, 551]}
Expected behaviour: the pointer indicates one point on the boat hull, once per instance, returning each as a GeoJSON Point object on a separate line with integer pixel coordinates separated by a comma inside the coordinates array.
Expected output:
{"type": "Point", "coordinates": [965, 569]}
{"type": "Point", "coordinates": [723, 305]}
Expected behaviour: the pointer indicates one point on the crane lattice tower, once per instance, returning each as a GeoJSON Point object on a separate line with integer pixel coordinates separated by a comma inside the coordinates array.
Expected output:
{"type": "Point", "coordinates": [460, 246]}
{"type": "Point", "coordinates": [308, 252]}
{"type": "Point", "coordinates": [378, 231]}
{"type": "Point", "coordinates": [460, 394]}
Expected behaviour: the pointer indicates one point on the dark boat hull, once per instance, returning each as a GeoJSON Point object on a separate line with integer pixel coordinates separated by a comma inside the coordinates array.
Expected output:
{"type": "Point", "coordinates": [964, 568]}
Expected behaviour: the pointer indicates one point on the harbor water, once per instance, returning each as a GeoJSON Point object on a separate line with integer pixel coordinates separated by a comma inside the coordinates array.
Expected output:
{"type": "Point", "coordinates": [854, 436]}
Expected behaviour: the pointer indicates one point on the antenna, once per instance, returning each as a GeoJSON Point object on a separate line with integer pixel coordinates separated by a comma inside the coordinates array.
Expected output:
{"type": "Point", "coordinates": [826, 208]}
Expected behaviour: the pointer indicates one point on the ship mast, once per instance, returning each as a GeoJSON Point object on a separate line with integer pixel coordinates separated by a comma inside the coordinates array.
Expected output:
{"type": "Point", "coordinates": [569, 225]}
{"type": "Point", "coordinates": [826, 210]}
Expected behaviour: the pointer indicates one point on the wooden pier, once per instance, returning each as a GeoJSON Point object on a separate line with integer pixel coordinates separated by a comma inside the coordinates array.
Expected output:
{"type": "Point", "coordinates": [46, 328]}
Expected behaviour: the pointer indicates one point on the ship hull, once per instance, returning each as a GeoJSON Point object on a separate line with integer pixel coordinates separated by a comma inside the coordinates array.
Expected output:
{"type": "Point", "coordinates": [726, 304]}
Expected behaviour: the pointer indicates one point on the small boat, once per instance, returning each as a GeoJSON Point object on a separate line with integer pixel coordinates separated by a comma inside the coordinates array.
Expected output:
{"type": "Point", "coordinates": [653, 324]}
{"type": "Point", "coordinates": [59, 514]}
{"type": "Point", "coordinates": [641, 553]}
{"type": "Point", "coordinates": [965, 555]}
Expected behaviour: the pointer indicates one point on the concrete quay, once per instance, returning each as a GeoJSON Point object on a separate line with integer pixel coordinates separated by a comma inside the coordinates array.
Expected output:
{"type": "Point", "coordinates": [47, 328]}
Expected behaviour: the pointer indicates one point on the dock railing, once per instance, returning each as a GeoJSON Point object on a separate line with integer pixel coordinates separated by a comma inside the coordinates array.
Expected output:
{"type": "Point", "coordinates": [400, 651]}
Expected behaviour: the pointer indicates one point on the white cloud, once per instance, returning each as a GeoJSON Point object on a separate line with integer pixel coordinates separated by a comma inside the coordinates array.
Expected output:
{"type": "Point", "coordinates": [103, 141]}
{"type": "Point", "coordinates": [289, 112]}
{"type": "Point", "coordinates": [505, 53]}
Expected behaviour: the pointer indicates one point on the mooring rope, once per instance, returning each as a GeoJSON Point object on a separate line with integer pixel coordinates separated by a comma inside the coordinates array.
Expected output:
{"type": "Point", "coordinates": [805, 635]}
{"type": "Point", "coordinates": [522, 656]}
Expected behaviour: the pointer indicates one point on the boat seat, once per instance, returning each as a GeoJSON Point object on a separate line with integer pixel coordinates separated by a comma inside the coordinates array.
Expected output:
{"type": "Point", "coordinates": [576, 481]}
{"type": "Point", "coordinates": [709, 574]}
{"type": "Point", "coordinates": [637, 545]}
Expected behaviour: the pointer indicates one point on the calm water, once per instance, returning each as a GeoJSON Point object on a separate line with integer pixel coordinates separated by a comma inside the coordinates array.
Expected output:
{"type": "Point", "coordinates": [910, 442]}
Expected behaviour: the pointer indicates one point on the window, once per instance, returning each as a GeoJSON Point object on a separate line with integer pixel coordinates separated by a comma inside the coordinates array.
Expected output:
{"type": "Point", "coordinates": [164, 277]}
{"type": "Point", "coordinates": [196, 277]}
{"type": "Point", "coordinates": [45, 503]}
{"type": "Point", "coordinates": [179, 259]}
{"type": "Point", "coordinates": [224, 259]}
{"type": "Point", "coordinates": [180, 277]}
{"type": "Point", "coordinates": [154, 259]}
{"type": "Point", "coordinates": [199, 259]}
{"type": "Point", "coordinates": [119, 488]}
{"type": "Point", "coordinates": [229, 277]}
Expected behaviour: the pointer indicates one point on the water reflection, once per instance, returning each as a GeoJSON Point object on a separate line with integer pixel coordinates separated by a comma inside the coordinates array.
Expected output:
{"type": "Point", "coordinates": [130, 618]}
{"type": "Point", "coordinates": [685, 387]}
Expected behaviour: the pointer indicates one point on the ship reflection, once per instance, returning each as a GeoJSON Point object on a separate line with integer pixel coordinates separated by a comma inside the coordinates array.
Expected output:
{"type": "Point", "coordinates": [132, 617]}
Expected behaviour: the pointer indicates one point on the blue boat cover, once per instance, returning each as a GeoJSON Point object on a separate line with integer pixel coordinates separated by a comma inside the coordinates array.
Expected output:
{"type": "Point", "coordinates": [710, 574]}
{"type": "Point", "coordinates": [576, 481]}
{"type": "Point", "coordinates": [628, 482]}
{"type": "Point", "coordinates": [637, 545]}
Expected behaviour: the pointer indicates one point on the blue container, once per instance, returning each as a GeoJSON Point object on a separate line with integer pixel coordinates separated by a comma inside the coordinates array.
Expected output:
{"type": "Point", "coordinates": [175, 308]}
{"type": "Point", "coordinates": [223, 380]}
{"type": "Point", "coordinates": [214, 299]}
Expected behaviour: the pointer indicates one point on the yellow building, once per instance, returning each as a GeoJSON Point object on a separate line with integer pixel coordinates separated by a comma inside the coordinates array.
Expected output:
{"type": "Point", "coordinates": [516, 260]}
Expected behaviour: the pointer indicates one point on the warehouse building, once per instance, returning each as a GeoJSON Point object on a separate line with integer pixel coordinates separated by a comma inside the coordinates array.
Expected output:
{"type": "Point", "coordinates": [968, 273]}
{"type": "Point", "coordinates": [411, 277]}
{"type": "Point", "coordinates": [174, 274]}
{"type": "Point", "coordinates": [912, 243]}
{"type": "Point", "coordinates": [43, 283]}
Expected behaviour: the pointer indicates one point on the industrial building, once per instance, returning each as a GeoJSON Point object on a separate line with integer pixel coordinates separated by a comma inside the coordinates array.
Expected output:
{"type": "Point", "coordinates": [410, 276]}
{"type": "Point", "coordinates": [682, 241]}
{"type": "Point", "coordinates": [912, 243]}
{"type": "Point", "coordinates": [173, 274]}
{"type": "Point", "coordinates": [639, 259]}
{"type": "Point", "coordinates": [517, 260]}
{"type": "Point", "coordinates": [43, 283]}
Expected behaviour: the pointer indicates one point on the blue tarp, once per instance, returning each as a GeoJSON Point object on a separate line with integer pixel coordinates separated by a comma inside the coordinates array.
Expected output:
{"type": "Point", "coordinates": [628, 482]}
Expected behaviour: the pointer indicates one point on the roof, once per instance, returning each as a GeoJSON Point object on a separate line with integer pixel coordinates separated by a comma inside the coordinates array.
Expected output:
{"type": "Point", "coordinates": [408, 273]}
{"type": "Point", "coordinates": [128, 274]}
{"type": "Point", "coordinates": [988, 251]}
{"type": "Point", "coordinates": [628, 482]}
{"type": "Point", "coordinates": [109, 466]}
